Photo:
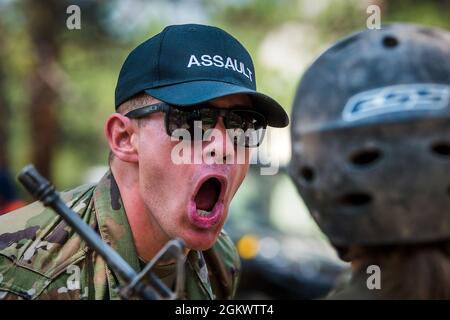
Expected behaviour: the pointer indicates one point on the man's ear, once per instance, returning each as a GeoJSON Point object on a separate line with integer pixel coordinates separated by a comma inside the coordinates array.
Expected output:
{"type": "Point", "coordinates": [120, 133]}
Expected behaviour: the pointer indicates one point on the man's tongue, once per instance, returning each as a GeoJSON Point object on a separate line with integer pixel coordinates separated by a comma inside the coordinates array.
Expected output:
{"type": "Point", "coordinates": [207, 196]}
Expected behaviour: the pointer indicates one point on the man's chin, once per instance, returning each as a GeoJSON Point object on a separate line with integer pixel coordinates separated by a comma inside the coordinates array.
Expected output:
{"type": "Point", "coordinates": [200, 240]}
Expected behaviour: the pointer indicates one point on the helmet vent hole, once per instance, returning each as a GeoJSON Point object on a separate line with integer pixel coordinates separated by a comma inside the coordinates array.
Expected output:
{"type": "Point", "coordinates": [390, 42]}
{"type": "Point", "coordinates": [441, 149]}
{"type": "Point", "coordinates": [307, 174]}
{"type": "Point", "coordinates": [365, 157]}
{"type": "Point", "coordinates": [355, 199]}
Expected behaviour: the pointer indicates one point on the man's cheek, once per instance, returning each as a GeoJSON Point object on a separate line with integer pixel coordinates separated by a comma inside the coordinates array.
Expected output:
{"type": "Point", "coordinates": [237, 178]}
{"type": "Point", "coordinates": [249, 153]}
{"type": "Point", "coordinates": [243, 170]}
{"type": "Point", "coordinates": [157, 156]}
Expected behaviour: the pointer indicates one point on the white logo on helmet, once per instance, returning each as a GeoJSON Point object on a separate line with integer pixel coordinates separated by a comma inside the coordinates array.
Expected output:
{"type": "Point", "coordinates": [398, 98]}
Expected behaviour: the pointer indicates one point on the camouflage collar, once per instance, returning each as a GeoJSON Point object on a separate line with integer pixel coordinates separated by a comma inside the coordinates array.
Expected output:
{"type": "Point", "coordinates": [114, 227]}
{"type": "Point", "coordinates": [115, 231]}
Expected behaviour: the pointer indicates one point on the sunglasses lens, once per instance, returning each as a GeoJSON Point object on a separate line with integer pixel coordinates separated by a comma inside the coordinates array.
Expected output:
{"type": "Point", "coordinates": [176, 119]}
{"type": "Point", "coordinates": [248, 127]}
{"type": "Point", "coordinates": [245, 120]}
{"type": "Point", "coordinates": [194, 121]}
{"type": "Point", "coordinates": [208, 118]}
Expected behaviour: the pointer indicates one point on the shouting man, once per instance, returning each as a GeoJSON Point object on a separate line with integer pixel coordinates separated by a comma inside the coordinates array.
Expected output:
{"type": "Point", "coordinates": [187, 82]}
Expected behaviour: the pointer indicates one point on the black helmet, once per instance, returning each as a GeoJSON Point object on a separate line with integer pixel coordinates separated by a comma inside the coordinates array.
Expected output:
{"type": "Point", "coordinates": [371, 137]}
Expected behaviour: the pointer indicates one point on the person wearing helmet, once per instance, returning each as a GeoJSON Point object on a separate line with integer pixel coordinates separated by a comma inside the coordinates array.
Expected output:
{"type": "Point", "coordinates": [371, 158]}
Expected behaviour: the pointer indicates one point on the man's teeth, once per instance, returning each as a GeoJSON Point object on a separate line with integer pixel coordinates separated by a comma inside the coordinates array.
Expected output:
{"type": "Point", "coordinates": [203, 212]}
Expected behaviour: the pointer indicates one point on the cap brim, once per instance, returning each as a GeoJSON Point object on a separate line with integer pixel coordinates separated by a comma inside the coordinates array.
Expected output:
{"type": "Point", "coordinates": [194, 92]}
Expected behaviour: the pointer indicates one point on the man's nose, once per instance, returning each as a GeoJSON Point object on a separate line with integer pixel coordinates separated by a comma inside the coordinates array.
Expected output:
{"type": "Point", "coordinates": [219, 145]}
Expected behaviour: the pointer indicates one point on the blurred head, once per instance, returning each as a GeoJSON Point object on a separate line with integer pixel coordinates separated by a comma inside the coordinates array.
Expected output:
{"type": "Point", "coordinates": [371, 156]}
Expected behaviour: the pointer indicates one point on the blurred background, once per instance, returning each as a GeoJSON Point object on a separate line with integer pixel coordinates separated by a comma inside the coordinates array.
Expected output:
{"type": "Point", "coordinates": [57, 89]}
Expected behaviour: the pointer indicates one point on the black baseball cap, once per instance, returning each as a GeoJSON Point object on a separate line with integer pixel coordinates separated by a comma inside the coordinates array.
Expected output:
{"type": "Point", "coordinates": [189, 64]}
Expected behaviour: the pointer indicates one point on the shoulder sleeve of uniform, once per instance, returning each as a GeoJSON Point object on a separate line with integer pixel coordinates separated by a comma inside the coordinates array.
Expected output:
{"type": "Point", "coordinates": [36, 245]}
{"type": "Point", "coordinates": [224, 265]}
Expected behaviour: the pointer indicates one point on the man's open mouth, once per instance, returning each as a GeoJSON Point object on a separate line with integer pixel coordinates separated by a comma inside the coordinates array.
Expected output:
{"type": "Point", "coordinates": [206, 206]}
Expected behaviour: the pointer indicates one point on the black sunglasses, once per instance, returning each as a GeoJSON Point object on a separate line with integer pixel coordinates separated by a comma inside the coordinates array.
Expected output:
{"type": "Point", "coordinates": [247, 126]}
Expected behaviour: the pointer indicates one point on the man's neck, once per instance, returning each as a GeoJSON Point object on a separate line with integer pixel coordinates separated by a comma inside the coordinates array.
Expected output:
{"type": "Point", "coordinates": [148, 236]}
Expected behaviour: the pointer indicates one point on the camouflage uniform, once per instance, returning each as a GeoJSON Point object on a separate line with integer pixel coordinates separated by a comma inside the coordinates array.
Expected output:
{"type": "Point", "coordinates": [43, 258]}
